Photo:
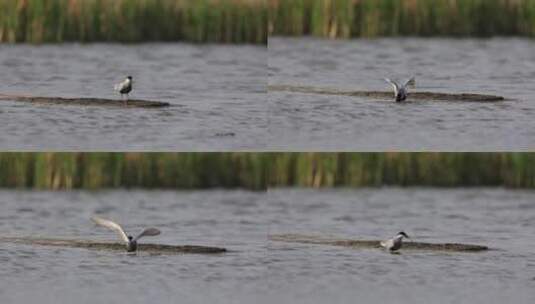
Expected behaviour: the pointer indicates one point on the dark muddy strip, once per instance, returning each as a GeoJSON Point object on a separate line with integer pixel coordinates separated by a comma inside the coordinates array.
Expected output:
{"type": "Point", "coordinates": [99, 245]}
{"type": "Point", "coordinates": [132, 103]}
{"type": "Point", "coordinates": [308, 239]}
{"type": "Point", "coordinates": [390, 95]}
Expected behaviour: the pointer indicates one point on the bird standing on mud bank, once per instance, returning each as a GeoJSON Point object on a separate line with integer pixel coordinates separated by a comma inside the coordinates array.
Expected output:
{"type": "Point", "coordinates": [400, 91]}
{"type": "Point", "coordinates": [131, 242]}
{"type": "Point", "coordinates": [124, 88]}
{"type": "Point", "coordinates": [394, 243]}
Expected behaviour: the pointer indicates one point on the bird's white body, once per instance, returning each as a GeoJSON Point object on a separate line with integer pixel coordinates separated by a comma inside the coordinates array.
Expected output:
{"type": "Point", "coordinates": [125, 87]}
{"type": "Point", "coordinates": [401, 90]}
{"type": "Point", "coordinates": [394, 243]}
{"type": "Point", "coordinates": [131, 243]}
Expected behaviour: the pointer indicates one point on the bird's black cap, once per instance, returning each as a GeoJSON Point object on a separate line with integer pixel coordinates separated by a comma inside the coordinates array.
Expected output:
{"type": "Point", "coordinates": [129, 77]}
{"type": "Point", "coordinates": [403, 233]}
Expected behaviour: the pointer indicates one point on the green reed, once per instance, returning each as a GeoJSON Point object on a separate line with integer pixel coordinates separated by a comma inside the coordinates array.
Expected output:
{"type": "Point", "coordinates": [373, 18]}
{"type": "Point", "coordinates": [144, 170]}
{"type": "Point", "coordinates": [403, 169]}
{"type": "Point", "coordinates": [260, 171]}
{"type": "Point", "coordinates": [219, 21]}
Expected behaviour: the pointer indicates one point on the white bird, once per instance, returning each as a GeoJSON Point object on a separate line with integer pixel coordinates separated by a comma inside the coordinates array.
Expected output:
{"type": "Point", "coordinates": [394, 243]}
{"type": "Point", "coordinates": [124, 88]}
{"type": "Point", "coordinates": [131, 243]}
{"type": "Point", "coordinates": [401, 91]}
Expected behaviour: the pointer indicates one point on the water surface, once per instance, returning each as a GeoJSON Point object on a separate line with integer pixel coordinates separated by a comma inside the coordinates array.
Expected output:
{"type": "Point", "coordinates": [32, 274]}
{"type": "Point", "coordinates": [217, 93]}
{"type": "Point", "coordinates": [500, 66]}
{"type": "Point", "coordinates": [502, 219]}
{"type": "Point", "coordinates": [256, 270]}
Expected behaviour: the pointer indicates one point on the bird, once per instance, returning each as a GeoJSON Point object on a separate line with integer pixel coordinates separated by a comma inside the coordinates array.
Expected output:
{"type": "Point", "coordinates": [400, 91]}
{"type": "Point", "coordinates": [394, 243]}
{"type": "Point", "coordinates": [131, 242]}
{"type": "Point", "coordinates": [124, 88]}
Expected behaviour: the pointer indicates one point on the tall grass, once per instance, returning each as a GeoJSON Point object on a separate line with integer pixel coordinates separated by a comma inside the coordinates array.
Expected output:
{"type": "Point", "coordinates": [373, 18]}
{"type": "Point", "coordinates": [225, 21]}
{"type": "Point", "coordinates": [403, 169]}
{"type": "Point", "coordinates": [144, 170]}
{"type": "Point", "coordinates": [263, 170]}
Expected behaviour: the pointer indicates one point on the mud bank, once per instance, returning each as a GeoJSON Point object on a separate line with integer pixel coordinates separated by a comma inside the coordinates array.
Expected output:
{"type": "Point", "coordinates": [132, 103]}
{"type": "Point", "coordinates": [420, 96]}
{"type": "Point", "coordinates": [110, 246]}
{"type": "Point", "coordinates": [370, 244]}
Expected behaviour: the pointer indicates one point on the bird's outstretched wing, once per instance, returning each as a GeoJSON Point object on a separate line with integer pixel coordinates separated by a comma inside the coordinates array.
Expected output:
{"type": "Point", "coordinates": [111, 225]}
{"type": "Point", "coordinates": [147, 232]}
{"type": "Point", "coordinates": [410, 83]}
{"type": "Point", "coordinates": [393, 83]}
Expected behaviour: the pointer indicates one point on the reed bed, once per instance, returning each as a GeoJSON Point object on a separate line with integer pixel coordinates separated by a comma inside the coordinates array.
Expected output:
{"type": "Point", "coordinates": [260, 171]}
{"type": "Point", "coordinates": [218, 21]}
{"type": "Point", "coordinates": [133, 170]}
{"type": "Point", "coordinates": [515, 170]}
{"type": "Point", "coordinates": [374, 18]}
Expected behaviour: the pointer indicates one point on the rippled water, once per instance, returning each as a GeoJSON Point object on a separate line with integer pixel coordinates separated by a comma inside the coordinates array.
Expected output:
{"type": "Point", "coordinates": [219, 102]}
{"type": "Point", "coordinates": [502, 219]}
{"type": "Point", "coordinates": [217, 95]}
{"type": "Point", "coordinates": [35, 274]}
{"type": "Point", "coordinates": [259, 271]}
{"type": "Point", "coordinates": [498, 66]}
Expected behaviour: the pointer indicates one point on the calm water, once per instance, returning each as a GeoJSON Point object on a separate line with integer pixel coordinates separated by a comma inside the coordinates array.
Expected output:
{"type": "Point", "coordinates": [217, 95]}
{"type": "Point", "coordinates": [259, 271]}
{"type": "Point", "coordinates": [504, 67]}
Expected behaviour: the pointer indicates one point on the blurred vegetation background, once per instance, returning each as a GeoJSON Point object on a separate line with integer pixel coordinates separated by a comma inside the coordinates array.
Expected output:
{"type": "Point", "coordinates": [129, 170]}
{"type": "Point", "coordinates": [259, 171]}
{"type": "Point", "coordinates": [402, 169]}
{"type": "Point", "coordinates": [220, 21]}
{"type": "Point", "coordinates": [250, 21]}
{"type": "Point", "coordinates": [374, 18]}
